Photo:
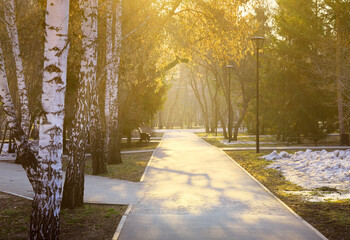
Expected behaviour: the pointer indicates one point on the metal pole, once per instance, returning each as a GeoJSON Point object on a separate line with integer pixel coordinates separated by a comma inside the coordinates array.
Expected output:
{"type": "Point", "coordinates": [257, 100]}
{"type": "Point", "coordinates": [229, 107]}
{"type": "Point", "coordinates": [216, 120]}
{"type": "Point", "coordinates": [216, 110]}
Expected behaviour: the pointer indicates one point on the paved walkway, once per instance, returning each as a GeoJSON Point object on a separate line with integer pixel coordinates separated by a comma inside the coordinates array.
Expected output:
{"type": "Point", "coordinates": [195, 191]}
{"type": "Point", "coordinates": [97, 189]}
{"type": "Point", "coordinates": [8, 157]}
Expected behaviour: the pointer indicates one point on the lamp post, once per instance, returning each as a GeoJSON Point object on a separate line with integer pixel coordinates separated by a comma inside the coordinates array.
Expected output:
{"type": "Point", "coordinates": [229, 67]}
{"type": "Point", "coordinates": [258, 44]}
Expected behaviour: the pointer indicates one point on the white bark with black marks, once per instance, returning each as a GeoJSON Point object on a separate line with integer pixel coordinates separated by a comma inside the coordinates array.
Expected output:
{"type": "Point", "coordinates": [109, 76]}
{"type": "Point", "coordinates": [47, 202]}
{"type": "Point", "coordinates": [11, 26]}
{"type": "Point", "coordinates": [24, 153]}
{"type": "Point", "coordinates": [117, 53]}
{"type": "Point", "coordinates": [95, 127]}
{"type": "Point", "coordinates": [113, 143]}
{"type": "Point", "coordinates": [73, 194]}
{"type": "Point", "coordinates": [14, 125]}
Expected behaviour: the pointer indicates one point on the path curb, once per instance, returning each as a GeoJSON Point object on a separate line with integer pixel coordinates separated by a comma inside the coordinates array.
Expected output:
{"type": "Point", "coordinates": [123, 220]}
{"type": "Point", "coordinates": [121, 223]}
{"type": "Point", "coordinates": [279, 200]}
{"type": "Point", "coordinates": [148, 164]}
{"type": "Point", "coordinates": [267, 190]}
{"type": "Point", "coordinates": [17, 195]}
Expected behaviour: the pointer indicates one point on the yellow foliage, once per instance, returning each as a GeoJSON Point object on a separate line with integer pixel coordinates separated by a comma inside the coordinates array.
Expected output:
{"type": "Point", "coordinates": [211, 29]}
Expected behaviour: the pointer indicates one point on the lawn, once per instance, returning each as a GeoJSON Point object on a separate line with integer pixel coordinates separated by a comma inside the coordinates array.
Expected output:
{"type": "Point", "coordinates": [331, 218]}
{"type": "Point", "coordinates": [265, 141]}
{"type": "Point", "coordinates": [131, 169]}
{"type": "Point", "coordinates": [136, 145]}
{"type": "Point", "coordinates": [89, 222]}
{"type": "Point", "coordinates": [133, 165]}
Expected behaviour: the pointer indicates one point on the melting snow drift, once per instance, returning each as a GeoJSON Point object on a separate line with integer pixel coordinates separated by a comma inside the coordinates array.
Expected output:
{"type": "Point", "coordinates": [314, 169]}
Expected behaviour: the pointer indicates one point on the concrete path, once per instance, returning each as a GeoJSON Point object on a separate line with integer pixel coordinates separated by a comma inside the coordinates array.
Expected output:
{"type": "Point", "coordinates": [8, 157]}
{"type": "Point", "coordinates": [195, 191]}
{"type": "Point", "coordinates": [97, 189]}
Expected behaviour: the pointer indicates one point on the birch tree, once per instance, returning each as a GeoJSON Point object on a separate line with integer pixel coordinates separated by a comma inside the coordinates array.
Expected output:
{"type": "Point", "coordinates": [111, 100]}
{"type": "Point", "coordinates": [25, 154]}
{"type": "Point", "coordinates": [45, 170]}
{"type": "Point", "coordinates": [47, 202]}
{"type": "Point", "coordinates": [96, 133]}
{"type": "Point", "coordinates": [109, 74]}
{"type": "Point", "coordinates": [11, 26]}
{"type": "Point", "coordinates": [73, 194]}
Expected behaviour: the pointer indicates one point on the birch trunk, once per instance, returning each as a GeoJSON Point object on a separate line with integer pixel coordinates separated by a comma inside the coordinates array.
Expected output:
{"type": "Point", "coordinates": [97, 139]}
{"type": "Point", "coordinates": [73, 194]}
{"type": "Point", "coordinates": [41, 226]}
{"type": "Point", "coordinates": [96, 134]}
{"type": "Point", "coordinates": [47, 203]}
{"type": "Point", "coordinates": [10, 19]}
{"type": "Point", "coordinates": [113, 143]}
{"type": "Point", "coordinates": [109, 74]}
{"type": "Point", "coordinates": [25, 154]}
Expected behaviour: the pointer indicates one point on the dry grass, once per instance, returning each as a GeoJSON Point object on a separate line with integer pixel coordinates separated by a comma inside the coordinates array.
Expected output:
{"type": "Point", "coordinates": [131, 169]}
{"type": "Point", "coordinates": [331, 218]}
{"type": "Point", "coordinates": [88, 222]}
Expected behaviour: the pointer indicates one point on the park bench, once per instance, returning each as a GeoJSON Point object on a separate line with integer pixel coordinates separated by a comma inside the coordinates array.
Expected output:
{"type": "Point", "coordinates": [144, 136]}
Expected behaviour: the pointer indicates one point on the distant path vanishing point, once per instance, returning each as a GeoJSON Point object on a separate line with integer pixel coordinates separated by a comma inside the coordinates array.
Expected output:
{"type": "Point", "coordinates": [195, 191]}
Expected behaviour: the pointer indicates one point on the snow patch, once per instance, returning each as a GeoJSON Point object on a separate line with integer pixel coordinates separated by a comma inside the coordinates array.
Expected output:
{"type": "Point", "coordinates": [236, 142]}
{"type": "Point", "coordinates": [274, 155]}
{"type": "Point", "coordinates": [314, 169]}
{"type": "Point", "coordinates": [5, 148]}
{"type": "Point", "coordinates": [320, 196]}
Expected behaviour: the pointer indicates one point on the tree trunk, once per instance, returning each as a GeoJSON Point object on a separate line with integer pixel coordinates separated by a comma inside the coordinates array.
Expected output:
{"type": "Point", "coordinates": [1, 123]}
{"type": "Point", "coordinates": [109, 74]}
{"type": "Point", "coordinates": [115, 141]}
{"type": "Point", "coordinates": [340, 100]}
{"type": "Point", "coordinates": [223, 125]}
{"type": "Point", "coordinates": [73, 191]}
{"type": "Point", "coordinates": [64, 138]}
{"type": "Point", "coordinates": [44, 173]}
{"type": "Point", "coordinates": [128, 135]}
{"type": "Point", "coordinates": [160, 123]}
{"type": "Point", "coordinates": [46, 203]}
{"type": "Point", "coordinates": [96, 136]}
{"type": "Point", "coordinates": [3, 137]}
{"type": "Point", "coordinates": [115, 148]}
{"type": "Point", "coordinates": [97, 139]}
{"type": "Point", "coordinates": [11, 26]}
{"type": "Point", "coordinates": [203, 107]}
{"type": "Point", "coordinates": [240, 120]}
{"type": "Point", "coordinates": [9, 149]}
{"type": "Point", "coordinates": [112, 142]}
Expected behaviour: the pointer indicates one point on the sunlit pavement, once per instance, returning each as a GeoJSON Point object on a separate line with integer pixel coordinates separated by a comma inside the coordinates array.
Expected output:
{"type": "Point", "coordinates": [195, 191]}
{"type": "Point", "coordinates": [97, 189]}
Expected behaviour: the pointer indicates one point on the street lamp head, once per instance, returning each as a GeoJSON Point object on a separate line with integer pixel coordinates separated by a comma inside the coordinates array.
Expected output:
{"type": "Point", "coordinates": [229, 66]}
{"type": "Point", "coordinates": [258, 41]}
